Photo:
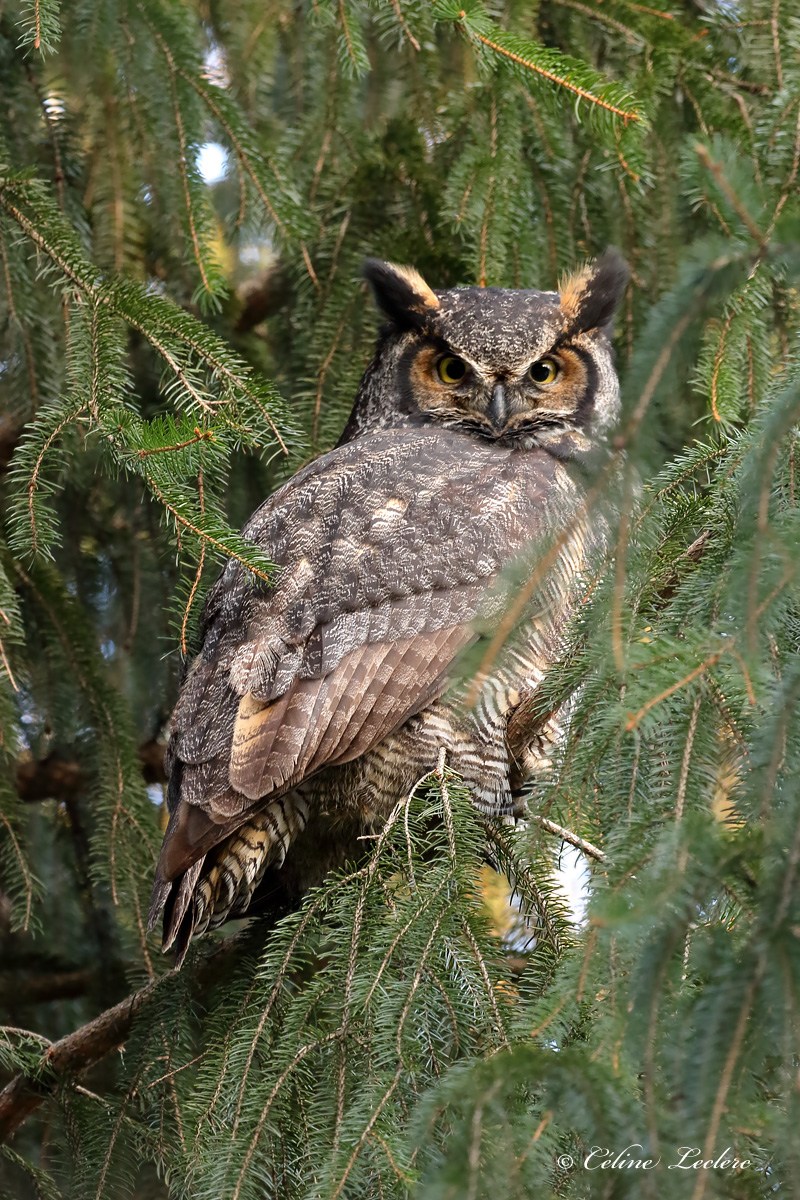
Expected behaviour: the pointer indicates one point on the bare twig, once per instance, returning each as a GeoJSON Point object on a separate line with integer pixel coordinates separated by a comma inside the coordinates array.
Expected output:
{"type": "Point", "coordinates": [573, 838]}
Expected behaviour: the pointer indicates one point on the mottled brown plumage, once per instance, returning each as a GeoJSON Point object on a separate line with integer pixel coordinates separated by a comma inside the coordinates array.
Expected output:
{"type": "Point", "coordinates": [316, 702]}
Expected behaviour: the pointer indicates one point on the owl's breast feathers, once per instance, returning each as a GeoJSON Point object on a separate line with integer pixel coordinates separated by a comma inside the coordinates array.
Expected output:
{"type": "Point", "coordinates": [385, 553]}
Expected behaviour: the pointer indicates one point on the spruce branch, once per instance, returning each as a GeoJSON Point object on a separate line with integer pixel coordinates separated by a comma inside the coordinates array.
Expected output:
{"type": "Point", "coordinates": [277, 986]}
{"type": "Point", "coordinates": [212, 283]}
{"type": "Point", "coordinates": [146, 313]}
{"type": "Point", "coordinates": [7, 667]}
{"type": "Point", "coordinates": [561, 81]}
{"type": "Point", "coordinates": [218, 359]}
{"type": "Point", "coordinates": [404, 26]}
{"type": "Point", "coordinates": [30, 357]}
{"type": "Point", "coordinates": [199, 435]}
{"type": "Point", "coordinates": [384, 1099]}
{"type": "Point", "coordinates": [731, 1061]}
{"type": "Point", "coordinates": [106, 708]}
{"type": "Point", "coordinates": [596, 14]}
{"type": "Point", "coordinates": [41, 25]}
{"type": "Point", "coordinates": [33, 481]}
{"type": "Point", "coordinates": [356, 59]}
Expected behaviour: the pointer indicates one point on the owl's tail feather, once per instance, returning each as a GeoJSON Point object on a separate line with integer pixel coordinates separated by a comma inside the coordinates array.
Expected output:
{"type": "Point", "coordinates": [220, 886]}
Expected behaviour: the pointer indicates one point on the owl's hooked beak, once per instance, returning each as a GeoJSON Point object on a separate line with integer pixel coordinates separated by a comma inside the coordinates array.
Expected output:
{"type": "Point", "coordinates": [497, 411]}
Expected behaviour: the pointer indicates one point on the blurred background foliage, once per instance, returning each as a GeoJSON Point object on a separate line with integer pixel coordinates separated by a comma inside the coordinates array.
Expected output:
{"type": "Point", "coordinates": [187, 191]}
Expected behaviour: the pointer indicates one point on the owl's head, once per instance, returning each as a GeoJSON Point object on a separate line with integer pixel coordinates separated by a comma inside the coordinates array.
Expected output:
{"type": "Point", "coordinates": [525, 368]}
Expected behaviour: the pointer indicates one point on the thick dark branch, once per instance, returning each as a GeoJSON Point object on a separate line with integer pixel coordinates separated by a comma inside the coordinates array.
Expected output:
{"type": "Point", "coordinates": [52, 778]}
{"type": "Point", "coordinates": [87, 1045]}
{"type": "Point", "coordinates": [28, 987]}
{"type": "Point", "coordinates": [10, 433]}
{"type": "Point", "coordinates": [262, 298]}
{"type": "Point", "coordinates": [60, 777]}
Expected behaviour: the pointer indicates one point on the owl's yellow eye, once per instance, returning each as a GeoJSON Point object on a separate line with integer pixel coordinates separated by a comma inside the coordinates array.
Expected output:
{"type": "Point", "coordinates": [544, 371]}
{"type": "Point", "coordinates": [451, 369]}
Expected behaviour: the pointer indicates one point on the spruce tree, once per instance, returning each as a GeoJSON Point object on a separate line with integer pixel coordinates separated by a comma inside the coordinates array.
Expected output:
{"type": "Point", "coordinates": [170, 351]}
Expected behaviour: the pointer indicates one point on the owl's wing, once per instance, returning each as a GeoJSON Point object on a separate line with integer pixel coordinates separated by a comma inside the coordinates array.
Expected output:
{"type": "Point", "coordinates": [386, 550]}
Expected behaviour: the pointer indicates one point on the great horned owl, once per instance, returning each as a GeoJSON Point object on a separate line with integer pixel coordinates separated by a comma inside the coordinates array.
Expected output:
{"type": "Point", "coordinates": [317, 702]}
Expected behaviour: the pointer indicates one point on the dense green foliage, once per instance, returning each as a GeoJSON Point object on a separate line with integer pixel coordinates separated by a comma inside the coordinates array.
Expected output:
{"type": "Point", "coordinates": [169, 352]}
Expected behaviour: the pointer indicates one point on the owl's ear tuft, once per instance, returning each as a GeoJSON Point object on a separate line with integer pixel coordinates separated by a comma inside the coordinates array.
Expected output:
{"type": "Point", "coordinates": [590, 296]}
{"type": "Point", "coordinates": [400, 293]}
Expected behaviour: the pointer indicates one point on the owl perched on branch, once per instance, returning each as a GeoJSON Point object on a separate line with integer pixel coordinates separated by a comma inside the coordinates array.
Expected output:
{"type": "Point", "coordinates": [316, 702]}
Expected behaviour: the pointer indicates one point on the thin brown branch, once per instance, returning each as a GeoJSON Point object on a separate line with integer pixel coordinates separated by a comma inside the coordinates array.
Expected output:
{"type": "Point", "coordinates": [719, 359]}
{"type": "Point", "coordinates": [24, 869]}
{"type": "Point", "coordinates": [652, 12]}
{"type": "Point", "coordinates": [623, 162]}
{"type": "Point", "coordinates": [789, 186]}
{"type": "Point", "coordinates": [33, 482]}
{"type": "Point", "coordinates": [277, 987]}
{"type": "Point", "coordinates": [715, 169]}
{"type": "Point", "coordinates": [404, 25]}
{"type": "Point", "coordinates": [347, 36]}
{"type": "Point", "coordinates": [726, 1078]}
{"type": "Point", "coordinates": [620, 577]}
{"type": "Point", "coordinates": [775, 25]}
{"type": "Point", "coordinates": [198, 574]}
{"type": "Point", "coordinates": [323, 371]}
{"type": "Point", "coordinates": [7, 667]}
{"type": "Point", "coordinates": [312, 274]}
{"type": "Point", "coordinates": [217, 366]}
{"type": "Point", "coordinates": [687, 758]}
{"type": "Point", "coordinates": [206, 95]}
{"type": "Point", "coordinates": [745, 85]}
{"type": "Point", "coordinates": [595, 14]}
{"type": "Point", "coordinates": [700, 669]}
{"type": "Point", "coordinates": [183, 157]}
{"type": "Point", "coordinates": [200, 435]}
{"type": "Point", "coordinates": [30, 358]}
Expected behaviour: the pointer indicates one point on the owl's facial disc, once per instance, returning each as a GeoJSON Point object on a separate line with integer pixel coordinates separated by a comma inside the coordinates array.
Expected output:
{"type": "Point", "coordinates": [508, 403]}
